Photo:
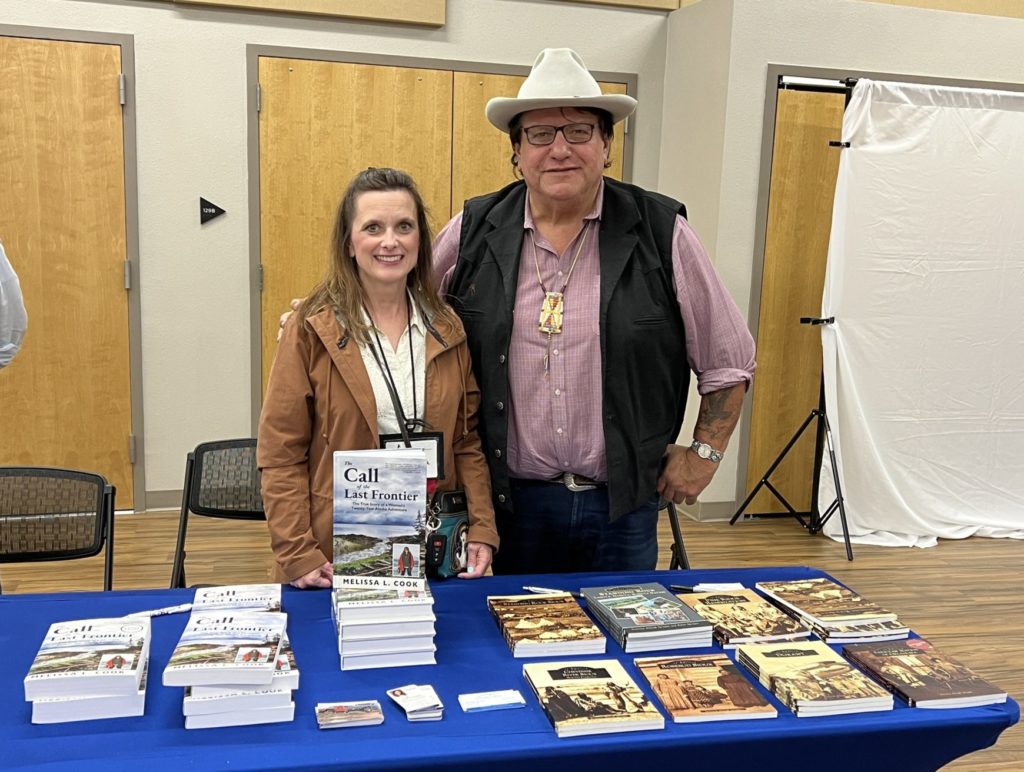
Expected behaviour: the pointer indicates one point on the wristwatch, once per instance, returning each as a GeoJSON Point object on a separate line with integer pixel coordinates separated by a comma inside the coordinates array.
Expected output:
{"type": "Point", "coordinates": [704, 450]}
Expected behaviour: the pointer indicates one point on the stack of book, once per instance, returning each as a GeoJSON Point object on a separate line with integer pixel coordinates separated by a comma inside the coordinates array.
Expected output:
{"type": "Point", "coordinates": [743, 616]}
{"type": "Point", "coordinates": [90, 669]}
{"type": "Point", "coordinates": [835, 613]}
{"type": "Point", "coordinates": [703, 687]}
{"type": "Point", "coordinates": [811, 679]}
{"type": "Point", "coordinates": [234, 660]}
{"type": "Point", "coordinates": [647, 617]}
{"type": "Point", "coordinates": [381, 605]}
{"type": "Point", "coordinates": [591, 697]}
{"type": "Point", "coordinates": [922, 676]}
{"type": "Point", "coordinates": [545, 625]}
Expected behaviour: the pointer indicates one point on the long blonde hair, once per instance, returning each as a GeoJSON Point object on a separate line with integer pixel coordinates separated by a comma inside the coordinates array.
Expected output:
{"type": "Point", "coordinates": [341, 289]}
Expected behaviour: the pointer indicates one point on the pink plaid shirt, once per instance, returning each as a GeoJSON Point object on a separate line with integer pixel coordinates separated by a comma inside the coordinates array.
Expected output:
{"type": "Point", "coordinates": [555, 419]}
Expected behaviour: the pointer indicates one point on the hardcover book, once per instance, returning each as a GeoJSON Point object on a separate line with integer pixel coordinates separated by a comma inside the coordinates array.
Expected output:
{"type": "Point", "coordinates": [743, 616]}
{"type": "Point", "coordinates": [811, 679]}
{"type": "Point", "coordinates": [90, 657]}
{"type": "Point", "coordinates": [646, 616]}
{"type": "Point", "coordinates": [58, 710]}
{"type": "Point", "coordinates": [591, 697]}
{"type": "Point", "coordinates": [703, 687]}
{"type": "Point", "coordinates": [823, 602]}
{"type": "Point", "coordinates": [227, 647]}
{"type": "Point", "coordinates": [380, 509]}
{"type": "Point", "coordinates": [545, 625]}
{"type": "Point", "coordinates": [923, 676]}
{"type": "Point", "coordinates": [255, 597]}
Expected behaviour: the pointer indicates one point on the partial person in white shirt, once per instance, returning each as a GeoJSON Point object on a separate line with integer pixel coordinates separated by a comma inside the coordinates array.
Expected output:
{"type": "Point", "coordinates": [13, 318]}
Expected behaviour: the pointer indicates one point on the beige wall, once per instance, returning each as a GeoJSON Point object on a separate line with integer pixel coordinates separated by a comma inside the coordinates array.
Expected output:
{"type": "Point", "coordinates": [191, 138]}
{"type": "Point", "coordinates": [708, 132]}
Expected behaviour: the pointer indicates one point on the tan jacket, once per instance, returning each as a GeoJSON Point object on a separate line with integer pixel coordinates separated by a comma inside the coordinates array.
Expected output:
{"type": "Point", "coordinates": [319, 399]}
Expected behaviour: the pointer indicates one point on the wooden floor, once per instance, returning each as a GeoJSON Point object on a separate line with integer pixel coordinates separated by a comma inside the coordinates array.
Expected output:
{"type": "Point", "coordinates": [963, 595]}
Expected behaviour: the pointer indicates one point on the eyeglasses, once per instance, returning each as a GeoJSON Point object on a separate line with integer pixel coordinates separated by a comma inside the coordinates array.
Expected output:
{"type": "Point", "coordinates": [574, 133]}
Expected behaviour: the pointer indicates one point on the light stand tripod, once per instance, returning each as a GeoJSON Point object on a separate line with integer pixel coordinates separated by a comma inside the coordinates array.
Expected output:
{"type": "Point", "coordinates": [815, 518]}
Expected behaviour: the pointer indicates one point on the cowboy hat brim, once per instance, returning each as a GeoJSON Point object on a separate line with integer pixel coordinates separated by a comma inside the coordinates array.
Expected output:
{"type": "Point", "coordinates": [501, 110]}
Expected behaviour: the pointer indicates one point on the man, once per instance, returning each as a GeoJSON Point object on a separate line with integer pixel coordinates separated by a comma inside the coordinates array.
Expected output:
{"type": "Point", "coordinates": [586, 303]}
{"type": "Point", "coordinates": [13, 319]}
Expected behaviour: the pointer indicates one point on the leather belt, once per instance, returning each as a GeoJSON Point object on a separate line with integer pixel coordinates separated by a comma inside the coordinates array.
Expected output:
{"type": "Point", "coordinates": [577, 482]}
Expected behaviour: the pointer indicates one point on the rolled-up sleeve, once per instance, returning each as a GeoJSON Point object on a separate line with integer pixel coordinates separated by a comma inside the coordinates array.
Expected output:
{"type": "Point", "coordinates": [719, 347]}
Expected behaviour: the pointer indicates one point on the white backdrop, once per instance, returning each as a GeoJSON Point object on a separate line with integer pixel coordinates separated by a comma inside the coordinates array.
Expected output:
{"type": "Point", "coordinates": [924, 366]}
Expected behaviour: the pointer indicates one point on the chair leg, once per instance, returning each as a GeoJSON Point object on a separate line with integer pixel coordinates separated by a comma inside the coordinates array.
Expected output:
{"type": "Point", "coordinates": [178, 572]}
{"type": "Point", "coordinates": [679, 558]}
{"type": "Point", "coordinates": [108, 560]}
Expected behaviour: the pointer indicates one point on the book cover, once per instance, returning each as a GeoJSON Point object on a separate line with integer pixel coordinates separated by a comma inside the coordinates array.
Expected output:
{"type": "Point", "coordinates": [59, 710]}
{"type": "Point", "coordinates": [591, 697]}
{"type": "Point", "coordinates": [286, 675]}
{"type": "Point", "coordinates": [812, 679]}
{"type": "Point", "coordinates": [646, 612]}
{"type": "Point", "coordinates": [381, 601]}
{"type": "Point", "coordinates": [922, 675]}
{"type": "Point", "coordinates": [380, 508]}
{"type": "Point", "coordinates": [703, 687]}
{"type": "Point", "coordinates": [90, 656]}
{"type": "Point", "coordinates": [541, 625]}
{"type": "Point", "coordinates": [823, 601]}
{"type": "Point", "coordinates": [255, 597]}
{"type": "Point", "coordinates": [227, 647]}
{"type": "Point", "coordinates": [742, 616]}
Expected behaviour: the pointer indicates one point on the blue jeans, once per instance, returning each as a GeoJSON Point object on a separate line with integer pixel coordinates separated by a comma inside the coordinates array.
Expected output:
{"type": "Point", "coordinates": [553, 530]}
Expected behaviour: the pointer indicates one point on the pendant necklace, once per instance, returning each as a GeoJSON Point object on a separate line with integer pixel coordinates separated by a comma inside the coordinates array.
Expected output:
{"type": "Point", "coordinates": [552, 308]}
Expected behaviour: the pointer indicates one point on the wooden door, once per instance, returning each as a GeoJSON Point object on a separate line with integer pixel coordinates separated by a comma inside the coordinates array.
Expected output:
{"type": "Point", "coordinates": [66, 399]}
{"type": "Point", "coordinates": [320, 123]}
{"type": "Point", "coordinates": [786, 386]}
{"type": "Point", "coordinates": [481, 154]}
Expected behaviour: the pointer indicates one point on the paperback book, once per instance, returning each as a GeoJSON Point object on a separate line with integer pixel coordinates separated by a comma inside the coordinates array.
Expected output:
{"type": "Point", "coordinates": [272, 715]}
{"type": "Point", "coordinates": [811, 679]}
{"type": "Point", "coordinates": [545, 625]}
{"type": "Point", "coordinates": [388, 659]}
{"type": "Point", "coordinates": [644, 617]}
{"type": "Point", "coordinates": [224, 699]}
{"type": "Point", "coordinates": [823, 602]}
{"type": "Point", "coordinates": [382, 600]}
{"type": "Point", "coordinates": [58, 710]}
{"type": "Point", "coordinates": [743, 616]}
{"type": "Point", "coordinates": [254, 597]}
{"type": "Point", "coordinates": [90, 657]}
{"type": "Point", "coordinates": [227, 647]}
{"type": "Point", "coordinates": [380, 508]}
{"type": "Point", "coordinates": [922, 676]}
{"type": "Point", "coordinates": [591, 697]}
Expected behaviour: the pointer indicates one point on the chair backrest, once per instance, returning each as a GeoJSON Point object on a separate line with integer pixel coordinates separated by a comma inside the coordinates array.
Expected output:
{"type": "Point", "coordinates": [51, 514]}
{"type": "Point", "coordinates": [225, 481]}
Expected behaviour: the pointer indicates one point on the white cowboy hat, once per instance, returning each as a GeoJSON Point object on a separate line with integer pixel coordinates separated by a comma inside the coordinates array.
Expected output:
{"type": "Point", "coordinates": [559, 78]}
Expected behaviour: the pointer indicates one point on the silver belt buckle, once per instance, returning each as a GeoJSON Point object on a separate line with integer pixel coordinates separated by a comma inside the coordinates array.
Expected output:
{"type": "Point", "coordinates": [569, 480]}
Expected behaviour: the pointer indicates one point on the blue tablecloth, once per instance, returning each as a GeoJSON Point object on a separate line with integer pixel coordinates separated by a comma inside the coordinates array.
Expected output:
{"type": "Point", "coordinates": [471, 657]}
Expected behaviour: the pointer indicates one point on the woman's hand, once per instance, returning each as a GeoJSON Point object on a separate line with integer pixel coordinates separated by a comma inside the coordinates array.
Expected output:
{"type": "Point", "coordinates": [478, 560]}
{"type": "Point", "coordinates": [318, 577]}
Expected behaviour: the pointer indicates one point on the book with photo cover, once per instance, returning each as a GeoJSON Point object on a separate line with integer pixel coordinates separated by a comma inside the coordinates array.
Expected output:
{"type": "Point", "coordinates": [743, 616]}
{"type": "Point", "coordinates": [862, 632]}
{"type": "Point", "coordinates": [286, 676]}
{"type": "Point", "coordinates": [922, 676]}
{"type": "Point", "coordinates": [227, 647]}
{"type": "Point", "coordinates": [380, 517]}
{"type": "Point", "coordinates": [336, 715]}
{"type": "Point", "coordinates": [59, 710]}
{"type": "Point", "coordinates": [591, 697]}
{"type": "Point", "coordinates": [811, 679]}
{"type": "Point", "coordinates": [646, 616]}
{"type": "Point", "coordinates": [90, 657]}
{"type": "Point", "coordinates": [255, 597]}
{"type": "Point", "coordinates": [545, 625]}
{"type": "Point", "coordinates": [703, 687]}
{"type": "Point", "coordinates": [382, 599]}
{"type": "Point", "coordinates": [823, 602]}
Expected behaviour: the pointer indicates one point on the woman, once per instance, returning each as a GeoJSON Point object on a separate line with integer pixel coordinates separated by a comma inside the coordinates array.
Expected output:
{"type": "Point", "coordinates": [374, 323]}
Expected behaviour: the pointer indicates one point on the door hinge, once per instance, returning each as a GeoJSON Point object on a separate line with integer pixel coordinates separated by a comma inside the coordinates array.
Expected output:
{"type": "Point", "coordinates": [259, 275]}
{"type": "Point", "coordinates": [122, 89]}
{"type": "Point", "coordinates": [131, 448]}
{"type": "Point", "coordinates": [127, 275]}
{"type": "Point", "coordinates": [259, 97]}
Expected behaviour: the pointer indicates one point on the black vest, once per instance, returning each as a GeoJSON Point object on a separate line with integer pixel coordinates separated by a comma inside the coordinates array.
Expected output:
{"type": "Point", "coordinates": [643, 348]}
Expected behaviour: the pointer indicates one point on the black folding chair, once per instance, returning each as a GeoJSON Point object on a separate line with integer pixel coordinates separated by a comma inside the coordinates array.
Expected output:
{"type": "Point", "coordinates": [56, 514]}
{"type": "Point", "coordinates": [221, 480]}
{"type": "Point", "coordinates": [679, 559]}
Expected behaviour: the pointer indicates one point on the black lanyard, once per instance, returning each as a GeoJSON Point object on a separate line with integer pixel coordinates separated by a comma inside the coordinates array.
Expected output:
{"type": "Point", "coordinates": [404, 425]}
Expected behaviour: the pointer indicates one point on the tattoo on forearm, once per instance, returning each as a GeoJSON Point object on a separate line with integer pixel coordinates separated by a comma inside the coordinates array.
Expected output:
{"type": "Point", "coordinates": [717, 415]}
